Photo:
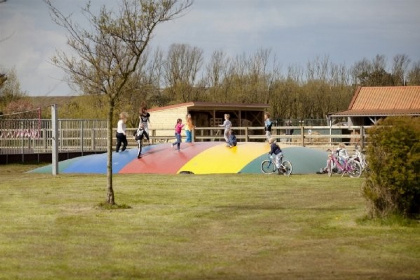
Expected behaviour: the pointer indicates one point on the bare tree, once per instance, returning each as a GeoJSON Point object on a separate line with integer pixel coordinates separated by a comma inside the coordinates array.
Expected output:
{"type": "Point", "coordinates": [10, 88]}
{"type": "Point", "coordinates": [414, 74]}
{"type": "Point", "coordinates": [399, 69]}
{"type": "Point", "coordinates": [181, 68]}
{"type": "Point", "coordinates": [3, 79]}
{"type": "Point", "coordinates": [108, 52]}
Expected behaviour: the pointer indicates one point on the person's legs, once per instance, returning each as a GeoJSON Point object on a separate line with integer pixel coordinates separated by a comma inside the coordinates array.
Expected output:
{"type": "Point", "coordinates": [188, 134]}
{"type": "Point", "coordinates": [118, 135]}
{"type": "Point", "coordinates": [178, 140]}
{"type": "Point", "coordinates": [139, 146]}
{"type": "Point", "coordinates": [124, 143]}
{"type": "Point", "coordinates": [278, 160]}
{"type": "Point", "coordinates": [229, 144]}
{"type": "Point", "coordinates": [268, 135]}
{"type": "Point", "coordinates": [226, 135]}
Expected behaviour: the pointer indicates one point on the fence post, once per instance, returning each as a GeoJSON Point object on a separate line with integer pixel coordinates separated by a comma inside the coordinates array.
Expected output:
{"type": "Point", "coordinates": [81, 135]}
{"type": "Point", "coordinates": [44, 138]}
{"type": "Point", "coordinates": [362, 137]}
{"type": "Point", "coordinates": [246, 134]}
{"type": "Point", "coordinates": [61, 136]}
{"type": "Point", "coordinates": [153, 135]}
{"type": "Point", "coordinates": [92, 141]}
{"type": "Point", "coordinates": [22, 137]}
{"type": "Point", "coordinates": [54, 147]}
{"type": "Point", "coordinates": [302, 133]}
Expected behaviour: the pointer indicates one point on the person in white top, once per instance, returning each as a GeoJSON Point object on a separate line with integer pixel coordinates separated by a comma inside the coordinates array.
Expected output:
{"type": "Point", "coordinates": [121, 136]}
{"type": "Point", "coordinates": [227, 124]}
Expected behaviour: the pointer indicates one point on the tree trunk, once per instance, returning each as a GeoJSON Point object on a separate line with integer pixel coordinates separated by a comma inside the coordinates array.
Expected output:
{"type": "Point", "coordinates": [110, 192]}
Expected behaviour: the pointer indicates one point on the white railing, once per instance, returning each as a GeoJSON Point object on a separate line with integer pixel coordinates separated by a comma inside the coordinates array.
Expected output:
{"type": "Point", "coordinates": [314, 136]}
{"type": "Point", "coordinates": [34, 136]}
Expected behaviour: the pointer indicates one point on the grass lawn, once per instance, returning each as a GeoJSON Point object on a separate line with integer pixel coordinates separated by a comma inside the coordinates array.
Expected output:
{"type": "Point", "coordinates": [239, 226]}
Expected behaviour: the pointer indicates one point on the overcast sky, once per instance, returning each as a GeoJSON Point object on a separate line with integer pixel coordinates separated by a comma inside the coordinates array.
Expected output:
{"type": "Point", "coordinates": [296, 31]}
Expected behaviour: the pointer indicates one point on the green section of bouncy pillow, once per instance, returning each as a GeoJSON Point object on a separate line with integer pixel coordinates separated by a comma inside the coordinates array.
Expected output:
{"type": "Point", "coordinates": [62, 165]}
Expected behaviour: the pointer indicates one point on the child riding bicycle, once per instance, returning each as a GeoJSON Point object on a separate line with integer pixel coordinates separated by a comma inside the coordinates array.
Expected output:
{"type": "Point", "coordinates": [276, 153]}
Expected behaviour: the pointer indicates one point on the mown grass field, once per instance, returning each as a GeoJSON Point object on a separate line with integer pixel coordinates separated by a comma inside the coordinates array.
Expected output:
{"type": "Point", "coordinates": [197, 227]}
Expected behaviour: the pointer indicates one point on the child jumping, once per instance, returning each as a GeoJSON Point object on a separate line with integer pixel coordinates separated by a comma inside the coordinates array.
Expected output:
{"type": "Point", "coordinates": [120, 135]}
{"type": "Point", "coordinates": [138, 136]}
{"type": "Point", "coordinates": [227, 125]}
{"type": "Point", "coordinates": [189, 129]}
{"type": "Point", "coordinates": [178, 128]}
{"type": "Point", "coordinates": [267, 125]}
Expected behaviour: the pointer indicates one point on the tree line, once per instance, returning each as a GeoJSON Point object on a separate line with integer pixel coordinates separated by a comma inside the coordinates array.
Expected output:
{"type": "Point", "coordinates": [297, 92]}
{"type": "Point", "coordinates": [180, 75]}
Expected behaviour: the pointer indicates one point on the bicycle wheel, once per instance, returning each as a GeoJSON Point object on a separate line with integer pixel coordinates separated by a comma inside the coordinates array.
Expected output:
{"type": "Point", "coordinates": [354, 168]}
{"type": "Point", "coordinates": [288, 167]}
{"type": "Point", "coordinates": [267, 167]}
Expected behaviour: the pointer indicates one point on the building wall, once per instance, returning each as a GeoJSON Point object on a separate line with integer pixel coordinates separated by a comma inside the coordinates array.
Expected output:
{"type": "Point", "coordinates": [165, 120]}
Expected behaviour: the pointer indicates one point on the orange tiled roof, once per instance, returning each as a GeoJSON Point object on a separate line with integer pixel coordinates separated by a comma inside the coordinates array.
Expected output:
{"type": "Point", "coordinates": [378, 101]}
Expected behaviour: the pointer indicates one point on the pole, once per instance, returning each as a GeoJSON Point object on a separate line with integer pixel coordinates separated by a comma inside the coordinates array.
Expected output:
{"type": "Point", "coordinates": [330, 125]}
{"type": "Point", "coordinates": [54, 148]}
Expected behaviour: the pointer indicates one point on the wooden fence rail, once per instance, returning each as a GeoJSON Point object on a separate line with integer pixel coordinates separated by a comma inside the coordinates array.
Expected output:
{"type": "Point", "coordinates": [90, 136]}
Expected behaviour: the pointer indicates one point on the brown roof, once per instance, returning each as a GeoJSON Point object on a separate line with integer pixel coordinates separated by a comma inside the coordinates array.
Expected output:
{"type": "Point", "coordinates": [214, 105]}
{"type": "Point", "coordinates": [384, 101]}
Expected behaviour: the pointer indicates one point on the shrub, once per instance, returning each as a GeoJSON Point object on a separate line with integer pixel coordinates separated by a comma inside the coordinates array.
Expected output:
{"type": "Point", "coordinates": [392, 183]}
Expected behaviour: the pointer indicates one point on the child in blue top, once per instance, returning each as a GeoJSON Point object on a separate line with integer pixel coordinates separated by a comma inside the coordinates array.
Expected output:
{"type": "Point", "coordinates": [267, 125]}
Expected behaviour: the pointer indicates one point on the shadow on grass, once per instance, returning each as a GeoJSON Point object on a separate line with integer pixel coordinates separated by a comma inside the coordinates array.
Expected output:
{"type": "Point", "coordinates": [277, 207]}
{"type": "Point", "coordinates": [107, 206]}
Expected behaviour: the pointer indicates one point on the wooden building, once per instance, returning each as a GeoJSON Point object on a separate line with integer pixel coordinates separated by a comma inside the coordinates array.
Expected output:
{"type": "Point", "coordinates": [207, 114]}
{"type": "Point", "coordinates": [370, 104]}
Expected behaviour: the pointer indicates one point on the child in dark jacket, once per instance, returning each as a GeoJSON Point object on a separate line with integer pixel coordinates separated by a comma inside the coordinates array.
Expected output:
{"type": "Point", "coordinates": [277, 153]}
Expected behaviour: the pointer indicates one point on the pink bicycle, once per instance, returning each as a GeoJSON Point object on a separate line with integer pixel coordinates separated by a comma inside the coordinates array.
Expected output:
{"type": "Point", "coordinates": [349, 166]}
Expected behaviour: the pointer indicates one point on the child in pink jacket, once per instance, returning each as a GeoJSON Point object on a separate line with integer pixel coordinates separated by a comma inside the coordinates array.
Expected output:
{"type": "Point", "coordinates": [178, 128]}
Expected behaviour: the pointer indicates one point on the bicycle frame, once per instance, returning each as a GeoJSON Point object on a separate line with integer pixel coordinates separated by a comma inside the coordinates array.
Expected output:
{"type": "Point", "coordinates": [336, 162]}
{"type": "Point", "coordinates": [344, 168]}
{"type": "Point", "coordinates": [268, 166]}
{"type": "Point", "coordinates": [360, 157]}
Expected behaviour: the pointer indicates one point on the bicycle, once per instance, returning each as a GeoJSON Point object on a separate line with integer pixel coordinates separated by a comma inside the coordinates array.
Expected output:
{"type": "Point", "coordinates": [268, 166]}
{"type": "Point", "coordinates": [350, 166]}
{"type": "Point", "coordinates": [360, 157]}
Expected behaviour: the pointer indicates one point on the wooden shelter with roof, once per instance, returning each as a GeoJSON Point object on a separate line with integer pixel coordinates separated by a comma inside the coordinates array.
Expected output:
{"type": "Point", "coordinates": [209, 114]}
{"type": "Point", "coordinates": [369, 104]}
